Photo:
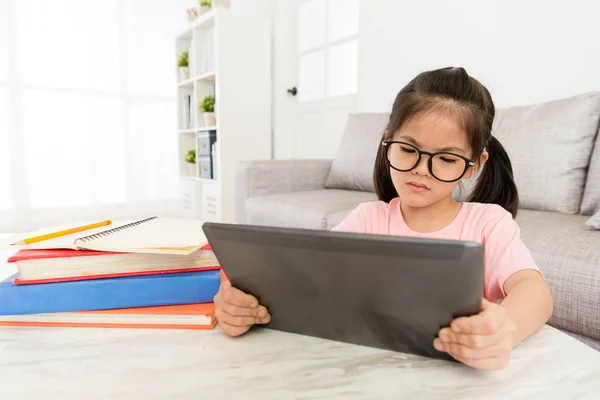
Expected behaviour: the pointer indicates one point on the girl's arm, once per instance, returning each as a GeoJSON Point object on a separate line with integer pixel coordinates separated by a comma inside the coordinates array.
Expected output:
{"type": "Point", "coordinates": [528, 303]}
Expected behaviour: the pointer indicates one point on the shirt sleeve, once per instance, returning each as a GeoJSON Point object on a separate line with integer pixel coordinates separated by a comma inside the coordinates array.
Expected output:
{"type": "Point", "coordinates": [353, 223]}
{"type": "Point", "coordinates": [505, 254]}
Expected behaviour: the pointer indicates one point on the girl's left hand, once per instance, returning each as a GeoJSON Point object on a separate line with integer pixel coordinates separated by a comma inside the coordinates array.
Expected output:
{"type": "Point", "coordinates": [482, 341]}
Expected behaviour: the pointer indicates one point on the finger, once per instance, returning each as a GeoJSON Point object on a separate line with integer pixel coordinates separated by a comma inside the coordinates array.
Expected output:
{"type": "Point", "coordinates": [235, 320]}
{"type": "Point", "coordinates": [460, 350]}
{"type": "Point", "coordinates": [487, 364]}
{"type": "Point", "coordinates": [238, 311]}
{"type": "Point", "coordinates": [485, 323]}
{"type": "Point", "coordinates": [232, 330]}
{"type": "Point", "coordinates": [237, 297]}
{"type": "Point", "coordinates": [244, 316]}
{"type": "Point", "coordinates": [470, 340]}
{"type": "Point", "coordinates": [259, 312]}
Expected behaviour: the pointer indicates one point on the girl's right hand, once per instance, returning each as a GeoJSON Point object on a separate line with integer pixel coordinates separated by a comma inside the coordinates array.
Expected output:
{"type": "Point", "coordinates": [237, 311]}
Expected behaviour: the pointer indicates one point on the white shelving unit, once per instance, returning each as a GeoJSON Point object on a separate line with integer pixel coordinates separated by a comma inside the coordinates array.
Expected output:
{"type": "Point", "coordinates": [229, 57]}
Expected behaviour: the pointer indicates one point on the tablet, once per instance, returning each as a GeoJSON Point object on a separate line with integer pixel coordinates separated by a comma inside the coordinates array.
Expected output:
{"type": "Point", "coordinates": [387, 292]}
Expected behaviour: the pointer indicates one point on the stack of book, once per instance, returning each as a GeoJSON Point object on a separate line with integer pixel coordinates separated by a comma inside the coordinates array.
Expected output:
{"type": "Point", "coordinates": [151, 273]}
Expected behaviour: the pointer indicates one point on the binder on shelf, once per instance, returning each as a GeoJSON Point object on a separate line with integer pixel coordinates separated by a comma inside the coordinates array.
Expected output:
{"type": "Point", "coordinates": [205, 141]}
{"type": "Point", "coordinates": [186, 112]}
{"type": "Point", "coordinates": [213, 156]}
{"type": "Point", "coordinates": [189, 111]}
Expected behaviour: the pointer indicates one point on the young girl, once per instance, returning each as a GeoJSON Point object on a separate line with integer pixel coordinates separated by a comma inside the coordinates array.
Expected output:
{"type": "Point", "coordinates": [439, 132]}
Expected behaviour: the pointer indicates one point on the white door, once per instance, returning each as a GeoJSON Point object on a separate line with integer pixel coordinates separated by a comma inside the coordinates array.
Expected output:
{"type": "Point", "coordinates": [316, 73]}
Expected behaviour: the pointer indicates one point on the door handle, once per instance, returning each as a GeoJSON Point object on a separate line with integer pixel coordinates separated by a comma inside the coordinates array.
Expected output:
{"type": "Point", "coordinates": [293, 91]}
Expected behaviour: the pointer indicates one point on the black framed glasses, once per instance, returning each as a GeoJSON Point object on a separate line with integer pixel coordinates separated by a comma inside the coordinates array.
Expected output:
{"type": "Point", "coordinates": [443, 166]}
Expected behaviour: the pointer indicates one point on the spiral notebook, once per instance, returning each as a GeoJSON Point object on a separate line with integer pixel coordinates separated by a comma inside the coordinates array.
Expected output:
{"type": "Point", "coordinates": [154, 235]}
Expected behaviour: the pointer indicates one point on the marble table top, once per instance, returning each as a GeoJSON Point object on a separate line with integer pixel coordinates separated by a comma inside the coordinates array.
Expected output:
{"type": "Point", "coordinates": [88, 363]}
{"type": "Point", "coordinates": [91, 363]}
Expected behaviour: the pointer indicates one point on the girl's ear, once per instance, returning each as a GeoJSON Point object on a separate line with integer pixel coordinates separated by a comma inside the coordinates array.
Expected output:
{"type": "Point", "coordinates": [478, 165]}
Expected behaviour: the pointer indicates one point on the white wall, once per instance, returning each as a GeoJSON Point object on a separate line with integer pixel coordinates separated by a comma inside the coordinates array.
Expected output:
{"type": "Point", "coordinates": [523, 51]}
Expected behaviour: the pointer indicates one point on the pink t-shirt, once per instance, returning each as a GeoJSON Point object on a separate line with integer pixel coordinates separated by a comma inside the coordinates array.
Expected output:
{"type": "Point", "coordinates": [488, 224]}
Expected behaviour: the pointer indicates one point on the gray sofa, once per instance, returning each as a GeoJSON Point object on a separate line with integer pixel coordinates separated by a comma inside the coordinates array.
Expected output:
{"type": "Point", "coordinates": [555, 151]}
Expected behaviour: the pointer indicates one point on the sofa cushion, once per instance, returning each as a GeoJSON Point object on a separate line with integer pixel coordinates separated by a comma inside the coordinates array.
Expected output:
{"type": "Point", "coordinates": [352, 168]}
{"type": "Point", "coordinates": [549, 145]}
{"type": "Point", "coordinates": [334, 219]}
{"type": "Point", "coordinates": [308, 210]}
{"type": "Point", "coordinates": [594, 221]}
{"type": "Point", "coordinates": [590, 203]}
{"type": "Point", "coordinates": [593, 343]}
{"type": "Point", "coordinates": [568, 254]}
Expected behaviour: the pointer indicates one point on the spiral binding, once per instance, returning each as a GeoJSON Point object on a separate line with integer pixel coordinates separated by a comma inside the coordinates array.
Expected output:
{"type": "Point", "coordinates": [108, 232]}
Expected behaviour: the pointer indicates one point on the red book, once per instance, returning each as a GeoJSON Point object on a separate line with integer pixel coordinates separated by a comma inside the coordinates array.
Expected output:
{"type": "Point", "coordinates": [61, 265]}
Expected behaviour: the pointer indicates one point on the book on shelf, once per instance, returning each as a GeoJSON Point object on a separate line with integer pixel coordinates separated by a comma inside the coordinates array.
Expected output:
{"type": "Point", "coordinates": [186, 316]}
{"type": "Point", "coordinates": [213, 157]}
{"type": "Point", "coordinates": [153, 235]}
{"type": "Point", "coordinates": [186, 112]}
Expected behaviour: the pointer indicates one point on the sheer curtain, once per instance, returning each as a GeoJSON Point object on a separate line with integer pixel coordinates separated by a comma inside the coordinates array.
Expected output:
{"type": "Point", "coordinates": [87, 109]}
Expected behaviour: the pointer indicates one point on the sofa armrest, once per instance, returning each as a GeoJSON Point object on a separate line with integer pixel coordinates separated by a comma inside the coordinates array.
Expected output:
{"type": "Point", "coordinates": [259, 178]}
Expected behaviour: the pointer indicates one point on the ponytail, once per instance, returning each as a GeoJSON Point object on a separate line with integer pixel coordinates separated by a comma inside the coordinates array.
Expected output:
{"type": "Point", "coordinates": [496, 184]}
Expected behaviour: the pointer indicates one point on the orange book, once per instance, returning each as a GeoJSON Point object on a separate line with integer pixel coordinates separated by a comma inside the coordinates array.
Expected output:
{"type": "Point", "coordinates": [189, 316]}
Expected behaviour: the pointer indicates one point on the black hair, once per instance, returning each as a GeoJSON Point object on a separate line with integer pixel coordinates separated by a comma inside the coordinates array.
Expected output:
{"type": "Point", "coordinates": [452, 90]}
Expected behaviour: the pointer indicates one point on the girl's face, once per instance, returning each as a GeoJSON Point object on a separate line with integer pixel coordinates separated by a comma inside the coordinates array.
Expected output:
{"type": "Point", "coordinates": [431, 132]}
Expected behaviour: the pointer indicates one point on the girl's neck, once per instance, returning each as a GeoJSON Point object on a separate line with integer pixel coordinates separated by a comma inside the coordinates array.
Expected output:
{"type": "Point", "coordinates": [431, 218]}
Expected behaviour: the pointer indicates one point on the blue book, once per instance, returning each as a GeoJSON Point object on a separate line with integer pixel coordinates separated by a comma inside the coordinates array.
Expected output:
{"type": "Point", "coordinates": [105, 294]}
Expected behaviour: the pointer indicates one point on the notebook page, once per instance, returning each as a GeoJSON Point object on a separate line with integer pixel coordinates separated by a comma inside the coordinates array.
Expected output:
{"type": "Point", "coordinates": [169, 234]}
{"type": "Point", "coordinates": [61, 242]}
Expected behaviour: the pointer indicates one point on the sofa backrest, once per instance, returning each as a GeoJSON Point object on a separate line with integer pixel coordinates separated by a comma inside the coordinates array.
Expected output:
{"type": "Point", "coordinates": [352, 168]}
{"type": "Point", "coordinates": [549, 144]}
{"type": "Point", "coordinates": [590, 203]}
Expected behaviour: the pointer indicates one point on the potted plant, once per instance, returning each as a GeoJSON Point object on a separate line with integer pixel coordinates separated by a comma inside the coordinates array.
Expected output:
{"type": "Point", "coordinates": [207, 106]}
{"type": "Point", "coordinates": [205, 6]}
{"type": "Point", "coordinates": [192, 13]}
{"type": "Point", "coordinates": [190, 158]}
{"type": "Point", "coordinates": [183, 63]}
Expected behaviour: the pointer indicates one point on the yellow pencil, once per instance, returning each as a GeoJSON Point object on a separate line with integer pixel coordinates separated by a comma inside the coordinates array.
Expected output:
{"type": "Point", "coordinates": [62, 233]}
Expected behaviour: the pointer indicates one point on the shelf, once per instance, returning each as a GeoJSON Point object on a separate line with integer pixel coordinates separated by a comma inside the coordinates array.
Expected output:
{"type": "Point", "coordinates": [216, 52]}
{"type": "Point", "coordinates": [197, 179]}
{"type": "Point", "coordinates": [209, 76]}
{"type": "Point", "coordinates": [187, 82]}
{"type": "Point", "coordinates": [201, 129]}
{"type": "Point", "coordinates": [206, 128]}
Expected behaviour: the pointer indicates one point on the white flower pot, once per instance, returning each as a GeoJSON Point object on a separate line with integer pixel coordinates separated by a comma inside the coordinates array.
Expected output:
{"type": "Point", "coordinates": [192, 169]}
{"type": "Point", "coordinates": [209, 119]}
{"type": "Point", "coordinates": [203, 9]}
{"type": "Point", "coordinates": [184, 73]}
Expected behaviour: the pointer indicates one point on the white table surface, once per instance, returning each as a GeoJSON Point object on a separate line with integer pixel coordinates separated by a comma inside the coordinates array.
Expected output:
{"type": "Point", "coordinates": [92, 363]}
